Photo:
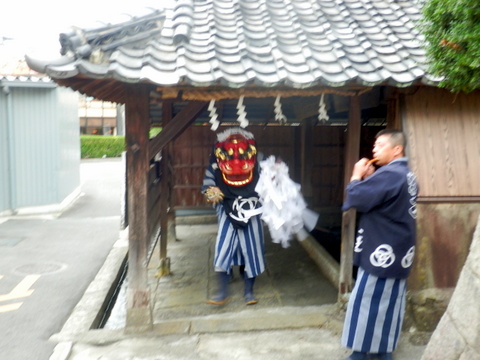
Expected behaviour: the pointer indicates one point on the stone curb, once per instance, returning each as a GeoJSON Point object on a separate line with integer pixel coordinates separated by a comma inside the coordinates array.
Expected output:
{"type": "Point", "coordinates": [325, 316]}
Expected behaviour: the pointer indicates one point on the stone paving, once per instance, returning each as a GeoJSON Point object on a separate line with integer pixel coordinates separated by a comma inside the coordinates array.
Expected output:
{"type": "Point", "coordinates": [296, 318]}
{"type": "Point", "coordinates": [291, 278]}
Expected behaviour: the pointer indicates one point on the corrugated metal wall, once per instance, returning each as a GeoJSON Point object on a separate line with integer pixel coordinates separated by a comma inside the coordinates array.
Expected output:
{"type": "Point", "coordinates": [4, 170]}
{"type": "Point", "coordinates": [69, 140]}
{"type": "Point", "coordinates": [41, 155]}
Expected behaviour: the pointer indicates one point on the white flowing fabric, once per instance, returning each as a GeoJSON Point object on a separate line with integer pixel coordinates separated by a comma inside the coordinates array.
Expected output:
{"type": "Point", "coordinates": [284, 208]}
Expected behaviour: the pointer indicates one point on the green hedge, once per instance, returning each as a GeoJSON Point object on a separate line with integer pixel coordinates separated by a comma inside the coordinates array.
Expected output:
{"type": "Point", "coordinates": [96, 146]}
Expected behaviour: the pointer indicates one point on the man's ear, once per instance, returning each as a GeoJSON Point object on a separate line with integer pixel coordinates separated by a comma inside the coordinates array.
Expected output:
{"type": "Point", "coordinates": [398, 150]}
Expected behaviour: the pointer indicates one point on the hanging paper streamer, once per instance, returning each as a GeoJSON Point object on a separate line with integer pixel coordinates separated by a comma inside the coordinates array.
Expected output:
{"type": "Point", "coordinates": [242, 115]}
{"type": "Point", "coordinates": [213, 115]}
{"type": "Point", "coordinates": [279, 116]}
{"type": "Point", "coordinates": [322, 111]}
{"type": "Point", "coordinates": [284, 208]}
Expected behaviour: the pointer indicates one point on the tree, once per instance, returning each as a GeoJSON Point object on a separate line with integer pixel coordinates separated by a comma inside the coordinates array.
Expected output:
{"type": "Point", "coordinates": [452, 33]}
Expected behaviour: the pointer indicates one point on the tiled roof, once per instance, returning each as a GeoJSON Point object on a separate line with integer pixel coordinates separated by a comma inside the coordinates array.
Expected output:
{"type": "Point", "coordinates": [235, 43]}
{"type": "Point", "coordinates": [14, 69]}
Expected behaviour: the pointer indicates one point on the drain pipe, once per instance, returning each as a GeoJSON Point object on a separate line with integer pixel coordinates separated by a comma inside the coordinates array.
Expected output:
{"type": "Point", "coordinates": [12, 171]}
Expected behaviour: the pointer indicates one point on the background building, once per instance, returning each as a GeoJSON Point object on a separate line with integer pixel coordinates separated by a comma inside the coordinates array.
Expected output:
{"type": "Point", "coordinates": [99, 117]}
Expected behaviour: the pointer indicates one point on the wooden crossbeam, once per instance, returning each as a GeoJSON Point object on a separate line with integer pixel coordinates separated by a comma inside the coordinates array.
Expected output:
{"type": "Point", "coordinates": [176, 126]}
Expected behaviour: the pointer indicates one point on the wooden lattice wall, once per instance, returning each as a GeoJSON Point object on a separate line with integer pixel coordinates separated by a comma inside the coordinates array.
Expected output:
{"type": "Point", "coordinates": [314, 155]}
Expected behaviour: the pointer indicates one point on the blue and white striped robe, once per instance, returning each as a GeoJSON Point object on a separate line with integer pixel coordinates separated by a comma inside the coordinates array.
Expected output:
{"type": "Point", "coordinates": [375, 314]}
{"type": "Point", "coordinates": [237, 245]}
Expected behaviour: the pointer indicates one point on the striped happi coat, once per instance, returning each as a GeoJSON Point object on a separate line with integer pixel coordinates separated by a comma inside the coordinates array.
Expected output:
{"type": "Point", "coordinates": [236, 245]}
{"type": "Point", "coordinates": [374, 314]}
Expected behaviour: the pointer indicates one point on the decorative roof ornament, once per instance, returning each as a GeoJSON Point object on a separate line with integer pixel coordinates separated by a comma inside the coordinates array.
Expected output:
{"type": "Point", "coordinates": [88, 43]}
{"type": "Point", "coordinates": [213, 115]}
{"type": "Point", "coordinates": [279, 116]}
{"type": "Point", "coordinates": [242, 115]}
{"type": "Point", "coordinates": [322, 111]}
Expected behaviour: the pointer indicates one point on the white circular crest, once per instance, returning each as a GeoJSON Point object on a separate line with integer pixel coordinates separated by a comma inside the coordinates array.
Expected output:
{"type": "Point", "coordinates": [383, 256]}
{"type": "Point", "coordinates": [245, 208]}
{"type": "Point", "coordinates": [407, 260]}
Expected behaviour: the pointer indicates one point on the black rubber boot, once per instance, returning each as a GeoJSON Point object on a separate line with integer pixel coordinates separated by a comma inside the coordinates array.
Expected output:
{"type": "Point", "coordinates": [381, 356]}
{"type": "Point", "coordinates": [222, 293]}
{"type": "Point", "coordinates": [249, 297]}
{"type": "Point", "coordinates": [357, 355]}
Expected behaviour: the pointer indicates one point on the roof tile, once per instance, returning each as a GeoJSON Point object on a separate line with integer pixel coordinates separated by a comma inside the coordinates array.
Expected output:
{"type": "Point", "coordinates": [268, 43]}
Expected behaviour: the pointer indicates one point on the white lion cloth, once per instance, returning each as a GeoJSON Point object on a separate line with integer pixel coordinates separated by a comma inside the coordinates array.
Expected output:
{"type": "Point", "coordinates": [284, 209]}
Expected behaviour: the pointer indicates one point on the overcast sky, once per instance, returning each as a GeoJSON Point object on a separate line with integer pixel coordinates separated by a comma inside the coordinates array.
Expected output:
{"type": "Point", "coordinates": [35, 25]}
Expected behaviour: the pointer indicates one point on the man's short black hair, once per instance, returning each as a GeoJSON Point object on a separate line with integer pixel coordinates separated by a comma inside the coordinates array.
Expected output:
{"type": "Point", "coordinates": [397, 137]}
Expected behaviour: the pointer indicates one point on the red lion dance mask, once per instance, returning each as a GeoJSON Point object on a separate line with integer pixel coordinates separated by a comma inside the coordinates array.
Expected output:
{"type": "Point", "coordinates": [236, 155]}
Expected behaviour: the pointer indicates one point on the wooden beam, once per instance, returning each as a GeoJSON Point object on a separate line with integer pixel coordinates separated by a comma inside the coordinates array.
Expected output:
{"type": "Point", "coordinates": [139, 314]}
{"type": "Point", "coordinates": [175, 127]}
{"type": "Point", "coordinates": [352, 154]}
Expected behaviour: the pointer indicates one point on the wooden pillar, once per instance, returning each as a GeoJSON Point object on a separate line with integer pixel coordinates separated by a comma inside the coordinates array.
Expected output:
{"type": "Point", "coordinates": [352, 154]}
{"type": "Point", "coordinates": [137, 125]}
{"type": "Point", "coordinates": [164, 266]}
{"type": "Point", "coordinates": [171, 220]}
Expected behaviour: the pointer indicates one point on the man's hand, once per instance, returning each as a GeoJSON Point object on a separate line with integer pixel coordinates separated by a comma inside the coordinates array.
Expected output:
{"type": "Point", "coordinates": [362, 169]}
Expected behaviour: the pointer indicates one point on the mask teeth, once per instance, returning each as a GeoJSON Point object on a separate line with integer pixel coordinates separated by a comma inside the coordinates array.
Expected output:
{"type": "Point", "coordinates": [238, 183]}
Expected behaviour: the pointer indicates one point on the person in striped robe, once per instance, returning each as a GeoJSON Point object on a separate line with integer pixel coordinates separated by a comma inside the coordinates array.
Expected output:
{"type": "Point", "coordinates": [385, 199]}
{"type": "Point", "coordinates": [229, 184]}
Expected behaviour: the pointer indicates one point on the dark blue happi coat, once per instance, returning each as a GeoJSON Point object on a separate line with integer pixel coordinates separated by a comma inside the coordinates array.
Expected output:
{"type": "Point", "coordinates": [386, 202]}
